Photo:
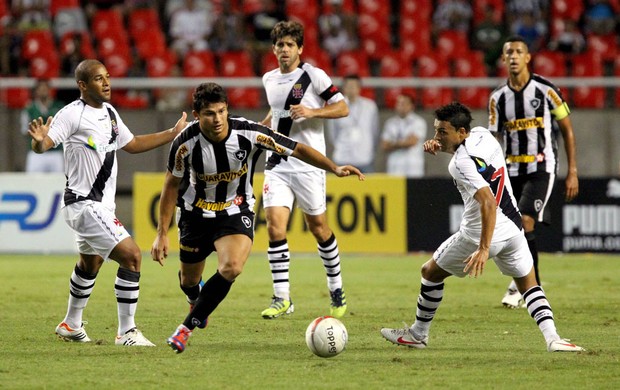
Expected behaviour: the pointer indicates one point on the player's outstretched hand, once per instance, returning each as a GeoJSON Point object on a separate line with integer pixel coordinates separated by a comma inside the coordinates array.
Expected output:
{"type": "Point", "coordinates": [181, 123]}
{"type": "Point", "coordinates": [159, 250]}
{"type": "Point", "coordinates": [432, 146]}
{"type": "Point", "coordinates": [347, 170]}
{"type": "Point", "coordinates": [38, 130]}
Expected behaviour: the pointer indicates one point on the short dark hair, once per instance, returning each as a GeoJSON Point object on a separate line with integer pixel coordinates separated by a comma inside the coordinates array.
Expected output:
{"type": "Point", "coordinates": [288, 28]}
{"type": "Point", "coordinates": [207, 93]}
{"type": "Point", "coordinates": [457, 114]}
{"type": "Point", "coordinates": [516, 38]}
{"type": "Point", "coordinates": [83, 70]}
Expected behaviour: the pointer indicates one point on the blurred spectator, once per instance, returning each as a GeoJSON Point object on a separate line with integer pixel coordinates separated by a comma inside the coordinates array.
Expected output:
{"type": "Point", "coordinates": [260, 24]}
{"type": "Point", "coordinates": [31, 14]}
{"type": "Point", "coordinates": [516, 8]}
{"type": "Point", "coordinates": [452, 15]}
{"type": "Point", "coordinates": [190, 28]}
{"type": "Point", "coordinates": [488, 37]}
{"type": "Point", "coordinates": [42, 105]}
{"type": "Point", "coordinates": [69, 20]}
{"type": "Point", "coordinates": [173, 99]}
{"type": "Point", "coordinates": [171, 6]}
{"type": "Point", "coordinates": [338, 30]}
{"type": "Point", "coordinates": [402, 139]}
{"type": "Point", "coordinates": [570, 40]}
{"type": "Point", "coordinates": [355, 136]}
{"type": "Point", "coordinates": [228, 30]}
{"type": "Point", "coordinates": [532, 31]}
{"type": "Point", "coordinates": [10, 49]}
{"type": "Point", "coordinates": [600, 17]}
{"type": "Point", "coordinates": [73, 55]}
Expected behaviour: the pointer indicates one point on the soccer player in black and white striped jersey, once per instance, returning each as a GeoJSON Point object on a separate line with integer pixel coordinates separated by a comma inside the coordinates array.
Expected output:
{"type": "Point", "coordinates": [301, 96]}
{"type": "Point", "coordinates": [91, 132]}
{"type": "Point", "coordinates": [525, 111]}
{"type": "Point", "coordinates": [219, 152]}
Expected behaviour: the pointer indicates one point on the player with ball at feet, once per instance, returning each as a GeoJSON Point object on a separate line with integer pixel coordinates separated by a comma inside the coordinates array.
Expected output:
{"type": "Point", "coordinates": [491, 228]}
{"type": "Point", "coordinates": [217, 152]}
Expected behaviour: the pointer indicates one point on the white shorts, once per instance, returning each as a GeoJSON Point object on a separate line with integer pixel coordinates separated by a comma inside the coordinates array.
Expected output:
{"type": "Point", "coordinates": [97, 230]}
{"type": "Point", "coordinates": [307, 188]}
{"type": "Point", "coordinates": [512, 257]}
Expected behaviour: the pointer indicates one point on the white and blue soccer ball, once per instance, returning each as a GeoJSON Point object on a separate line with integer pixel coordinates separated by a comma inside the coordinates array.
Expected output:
{"type": "Point", "coordinates": [326, 336]}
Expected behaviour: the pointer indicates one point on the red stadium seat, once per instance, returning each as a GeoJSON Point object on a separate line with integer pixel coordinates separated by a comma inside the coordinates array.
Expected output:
{"type": "Point", "coordinates": [38, 43]}
{"type": "Point", "coordinates": [117, 64]}
{"type": "Point", "coordinates": [604, 45]}
{"type": "Point", "coordinates": [142, 21]}
{"type": "Point", "coordinates": [56, 5]}
{"type": "Point", "coordinates": [129, 100]}
{"type": "Point", "coordinates": [434, 66]}
{"type": "Point", "coordinates": [587, 65]}
{"type": "Point", "coordinates": [199, 64]}
{"type": "Point", "coordinates": [318, 58]}
{"type": "Point", "coordinates": [45, 67]}
{"type": "Point", "coordinates": [347, 6]}
{"type": "Point", "coordinates": [150, 45]}
{"type": "Point", "coordinates": [67, 45]}
{"type": "Point", "coordinates": [307, 12]}
{"type": "Point", "coordinates": [16, 98]}
{"type": "Point", "coordinates": [239, 64]}
{"type": "Point", "coordinates": [395, 65]}
{"type": "Point", "coordinates": [269, 62]}
{"type": "Point", "coordinates": [374, 31]}
{"type": "Point", "coordinates": [550, 64]}
{"type": "Point", "coordinates": [373, 7]}
{"type": "Point", "coordinates": [422, 9]}
{"type": "Point", "coordinates": [159, 66]}
{"type": "Point", "coordinates": [471, 65]}
{"type": "Point", "coordinates": [106, 21]}
{"type": "Point", "coordinates": [114, 43]}
{"type": "Point", "coordinates": [452, 44]}
{"type": "Point", "coordinates": [479, 7]}
{"type": "Point", "coordinates": [236, 64]}
{"type": "Point", "coordinates": [352, 62]}
{"type": "Point", "coordinates": [567, 9]}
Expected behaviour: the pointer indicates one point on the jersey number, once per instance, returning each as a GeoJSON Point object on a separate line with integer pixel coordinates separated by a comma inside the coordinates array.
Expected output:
{"type": "Point", "coordinates": [500, 186]}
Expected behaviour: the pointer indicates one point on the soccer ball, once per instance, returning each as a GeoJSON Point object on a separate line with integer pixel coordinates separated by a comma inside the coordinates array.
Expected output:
{"type": "Point", "coordinates": [326, 336]}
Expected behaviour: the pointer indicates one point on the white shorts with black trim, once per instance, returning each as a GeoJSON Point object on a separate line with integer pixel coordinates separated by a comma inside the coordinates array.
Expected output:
{"type": "Point", "coordinates": [97, 230]}
{"type": "Point", "coordinates": [512, 256]}
{"type": "Point", "coordinates": [307, 188]}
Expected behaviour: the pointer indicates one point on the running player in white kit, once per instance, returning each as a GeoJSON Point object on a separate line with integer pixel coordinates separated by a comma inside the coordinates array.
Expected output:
{"type": "Point", "coordinates": [91, 132]}
{"type": "Point", "coordinates": [491, 228]}
{"type": "Point", "coordinates": [301, 96]}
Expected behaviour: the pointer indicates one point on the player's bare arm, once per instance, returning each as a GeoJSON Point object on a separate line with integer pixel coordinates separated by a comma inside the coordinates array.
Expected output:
{"type": "Point", "coordinates": [159, 250]}
{"type": "Point", "coordinates": [329, 111]}
{"type": "Point", "coordinates": [488, 213]}
{"type": "Point", "coordinates": [146, 142]}
{"type": "Point", "coordinates": [572, 180]}
{"type": "Point", "coordinates": [267, 120]}
{"type": "Point", "coordinates": [313, 157]}
{"type": "Point", "coordinates": [38, 131]}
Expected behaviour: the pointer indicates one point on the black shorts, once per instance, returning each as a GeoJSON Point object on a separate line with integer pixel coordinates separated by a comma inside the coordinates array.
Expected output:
{"type": "Point", "coordinates": [197, 235]}
{"type": "Point", "coordinates": [532, 192]}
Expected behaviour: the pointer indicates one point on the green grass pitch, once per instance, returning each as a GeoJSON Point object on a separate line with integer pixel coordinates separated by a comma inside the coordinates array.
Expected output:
{"type": "Point", "coordinates": [474, 342]}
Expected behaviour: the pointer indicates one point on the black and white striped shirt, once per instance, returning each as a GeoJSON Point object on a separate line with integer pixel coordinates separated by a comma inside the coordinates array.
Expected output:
{"type": "Point", "coordinates": [526, 118]}
{"type": "Point", "coordinates": [220, 174]}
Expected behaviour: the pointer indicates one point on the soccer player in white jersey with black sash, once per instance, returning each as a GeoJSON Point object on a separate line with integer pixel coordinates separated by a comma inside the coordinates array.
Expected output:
{"type": "Point", "coordinates": [491, 228]}
{"type": "Point", "coordinates": [301, 96]}
{"type": "Point", "coordinates": [524, 112]}
{"type": "Point", "coordinates": [91, 132]}
{"type": "Point", "coordinates": [219, 153]}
